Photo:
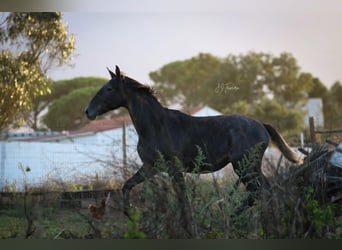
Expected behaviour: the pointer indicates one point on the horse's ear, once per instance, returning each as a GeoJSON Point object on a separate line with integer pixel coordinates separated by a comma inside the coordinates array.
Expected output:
{"type": "Point", "coordinates": [112, 75]}
{"type": "Point", "coordinates": [117, 71]}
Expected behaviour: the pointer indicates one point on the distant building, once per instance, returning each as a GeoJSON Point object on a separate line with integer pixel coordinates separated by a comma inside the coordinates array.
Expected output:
{"type": "Point", "coordinates": [206, 111]}
{"type": "Point", "coordinates": [314, 108]}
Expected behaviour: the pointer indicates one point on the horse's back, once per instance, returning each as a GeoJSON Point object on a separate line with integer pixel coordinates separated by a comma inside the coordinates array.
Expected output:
{"type": "Point", "coordinates": [222, 138]}
{"type": "Point", "coordinates": [239, 124]}
{"type": "Point", "coordinates": [244, 130]}
{"type": "Point", "coordinates": [218, 127]}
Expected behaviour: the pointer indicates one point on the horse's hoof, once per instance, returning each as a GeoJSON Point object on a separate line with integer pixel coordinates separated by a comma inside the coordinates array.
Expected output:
{"type": "Point", "coordinates": [126, 213]}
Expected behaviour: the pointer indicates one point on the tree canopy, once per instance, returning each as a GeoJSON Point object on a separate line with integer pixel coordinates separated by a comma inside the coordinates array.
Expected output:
{"type": "Point", "coordinates": [224, 81]}
{"type": "Point", "coordinates": [265, 86]}
{"type": "Point", "coordinates": [67, 101]}
{"type": "Point", "coordinates": [66, 113]}
{"type": "Point", "coordinates": [31, 44]}
{"type": "Point", "coordinates": [180, 81]}
{"type": "Point", "coordinates": [333, 104]}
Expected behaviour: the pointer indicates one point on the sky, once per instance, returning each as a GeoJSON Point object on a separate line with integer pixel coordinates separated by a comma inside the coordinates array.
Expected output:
{"type": "Point", "coordinates": [142, 36]}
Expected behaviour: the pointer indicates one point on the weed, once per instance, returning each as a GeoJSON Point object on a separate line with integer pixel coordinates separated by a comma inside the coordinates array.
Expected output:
{"type": "Point", "coordinates": [133, 231]}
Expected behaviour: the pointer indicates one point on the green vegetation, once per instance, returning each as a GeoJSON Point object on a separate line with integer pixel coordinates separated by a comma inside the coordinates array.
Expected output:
{"type": "Point", "coordinates": [62, 117]}
{"type": "Point", "coordinates": [81, 89]}
{"type": "Point", "coordinates": [261, 85]}
{"type": "Point", "coordinates": [133, 231]}
{"type": "Point", "coordinates": [31, 44]}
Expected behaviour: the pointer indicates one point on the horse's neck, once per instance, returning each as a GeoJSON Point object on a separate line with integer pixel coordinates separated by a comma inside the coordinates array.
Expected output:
{"type": "Point", "coordinates": [146, 113]}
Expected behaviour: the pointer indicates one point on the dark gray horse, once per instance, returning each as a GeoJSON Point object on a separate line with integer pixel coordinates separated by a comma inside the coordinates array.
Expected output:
{"type": "Point", "coordinates": [175, 135]}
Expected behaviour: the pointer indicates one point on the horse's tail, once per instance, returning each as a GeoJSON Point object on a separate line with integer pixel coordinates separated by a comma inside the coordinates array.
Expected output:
{"type": "Point", "coordinates": [280, 142]}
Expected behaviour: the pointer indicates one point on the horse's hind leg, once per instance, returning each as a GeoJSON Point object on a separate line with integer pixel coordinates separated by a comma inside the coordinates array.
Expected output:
{"type": "Point", "coordinates": [180, 189]}
{"type": "Point", "coordinates": [251, 176]}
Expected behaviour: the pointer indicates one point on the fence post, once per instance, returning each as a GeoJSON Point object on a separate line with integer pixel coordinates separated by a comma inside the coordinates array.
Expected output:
{"type": "Point", "coordinates": [312, 129]}
{"type": "Point", "coordinates": [124, 152]}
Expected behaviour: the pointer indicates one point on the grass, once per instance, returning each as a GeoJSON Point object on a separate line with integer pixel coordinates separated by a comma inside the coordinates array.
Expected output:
{"type": "Point", "coordinates": [56, 223]}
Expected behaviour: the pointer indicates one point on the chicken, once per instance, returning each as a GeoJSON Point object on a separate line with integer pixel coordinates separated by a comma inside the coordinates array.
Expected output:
{"type": "Point", "coordinates": [98, 212]}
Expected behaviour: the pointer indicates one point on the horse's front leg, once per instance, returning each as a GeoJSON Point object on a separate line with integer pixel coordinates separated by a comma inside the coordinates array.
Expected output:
{"type": "Point", "coordinates": [143, 173]}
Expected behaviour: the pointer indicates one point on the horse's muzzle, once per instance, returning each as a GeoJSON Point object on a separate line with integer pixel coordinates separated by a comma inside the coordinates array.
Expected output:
{"type": "Point", "coordinates": [89, 115]}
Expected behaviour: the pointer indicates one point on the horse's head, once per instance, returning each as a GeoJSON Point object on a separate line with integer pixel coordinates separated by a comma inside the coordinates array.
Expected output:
{"type": "Point", "coordinates": [109, 97]}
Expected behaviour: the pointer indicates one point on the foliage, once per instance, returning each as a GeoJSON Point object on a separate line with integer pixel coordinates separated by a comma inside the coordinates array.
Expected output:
{"type": "Point", "coordinates": [183, 80]}
{"type": "Point", "coordinates": [253, 75]}
{"type": "Point", "coordinates": [241, 76]}
{"type": "Point", "coordinates": [20, 83]}
{"type": "Point", "coordinates": [332, 106]}
{"type": "Point", "coordinates": [277, 114]}
{"type": "Point", "coordinates": [10, 227]}
{"type": "Point", "coordinates": [320, 216]}
{"type": "Point", "coordinates": [133, 231]}
{"type": "Point", "coordinates": [63, 87]}
{"type": "Point", "coordinates": [318, 89]}
{"type": "Point", "coordinates": [244, 83]}
{"type": "Point", "coordinates": [32, 43]}
{"type": "Point", "coordinates": [285, 81]}
{"type": "Point", "coordinates": [65, 94]}
{"type": "Point", "coordinates": [331, 102]}
{"type": "Point", "coordinates": [58, 89]}
{"type": "Point", "coordinates": [246, 164]}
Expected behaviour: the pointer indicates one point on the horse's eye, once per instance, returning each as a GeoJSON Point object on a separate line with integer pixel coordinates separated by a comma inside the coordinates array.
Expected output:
{"type": "Point", "coordinates": [109, 89]}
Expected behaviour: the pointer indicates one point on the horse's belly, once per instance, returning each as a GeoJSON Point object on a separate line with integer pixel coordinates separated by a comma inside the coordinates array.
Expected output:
{"type": "Point", "coordinates": [207, 162]}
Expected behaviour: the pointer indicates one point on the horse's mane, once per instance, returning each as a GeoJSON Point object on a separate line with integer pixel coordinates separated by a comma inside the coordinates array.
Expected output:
{"type": "Point", "coordinates": [141, 87]}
